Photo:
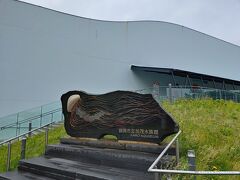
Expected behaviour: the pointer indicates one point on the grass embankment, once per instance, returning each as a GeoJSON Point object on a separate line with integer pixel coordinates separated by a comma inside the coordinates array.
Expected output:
{"type": "Point", "coordinates": [35, 147]}
{"type": "Point", "coordinates": [211, 128]}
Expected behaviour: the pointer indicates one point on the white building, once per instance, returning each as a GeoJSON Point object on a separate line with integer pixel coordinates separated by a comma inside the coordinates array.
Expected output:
{"type": "Point", "coordinates": [44, 53]}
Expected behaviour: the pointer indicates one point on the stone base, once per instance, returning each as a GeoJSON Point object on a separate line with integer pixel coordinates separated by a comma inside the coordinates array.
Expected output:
{"type": "Point", "coordinates": [89, 159]}
{"type": "Point", "coordinates": [123, 145]}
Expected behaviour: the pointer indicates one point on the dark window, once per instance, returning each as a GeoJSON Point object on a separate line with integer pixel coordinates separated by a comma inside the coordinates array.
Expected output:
{"type": "Point", "coordinates": [165, 79]}
{"type": "Point", "coordinates": [237, 86]}
{"type": "Point", "coordinates": [208, 82]}
{"type": "Point", "coordinates": [228, 85]}
{"type": "Point", "coordinates": [196, 80]}
{"type": "Point", "coordinates": [180, 80]}
{"type": "Point", "coordinates": [218, 84]}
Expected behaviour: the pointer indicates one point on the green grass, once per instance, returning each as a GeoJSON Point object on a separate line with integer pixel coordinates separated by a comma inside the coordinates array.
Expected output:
{"type": "Point", "coordinates": [211, 128]}
{"type": "Point", "coordinates": [35, 147]}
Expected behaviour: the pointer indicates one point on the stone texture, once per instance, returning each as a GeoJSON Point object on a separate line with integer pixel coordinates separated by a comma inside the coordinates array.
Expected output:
{"type": "Point", "coordinates": [91, 160]}
{"type": "Point", "coordinates": [124, 114]}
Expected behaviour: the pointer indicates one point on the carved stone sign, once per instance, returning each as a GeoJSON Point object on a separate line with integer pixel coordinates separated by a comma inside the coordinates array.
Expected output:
{"type": "Point", "coordinates": [127, 115]}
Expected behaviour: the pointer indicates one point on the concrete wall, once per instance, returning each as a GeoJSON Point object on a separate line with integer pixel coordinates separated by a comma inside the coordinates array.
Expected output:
{"type": "Point", "coordinates": [44, 53]}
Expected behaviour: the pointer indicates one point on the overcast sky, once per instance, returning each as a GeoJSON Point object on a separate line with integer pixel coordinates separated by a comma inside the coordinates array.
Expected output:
{"type": "Point", "coordinates": [219, 18]}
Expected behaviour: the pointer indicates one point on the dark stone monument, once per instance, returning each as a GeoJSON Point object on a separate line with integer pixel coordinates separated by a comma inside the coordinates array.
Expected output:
{"type": "Point", "coordinates": [127, 115]}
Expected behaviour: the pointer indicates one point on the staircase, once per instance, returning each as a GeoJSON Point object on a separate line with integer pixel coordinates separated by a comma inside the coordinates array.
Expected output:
{"type": "Point", "coordinates": [89, 159]}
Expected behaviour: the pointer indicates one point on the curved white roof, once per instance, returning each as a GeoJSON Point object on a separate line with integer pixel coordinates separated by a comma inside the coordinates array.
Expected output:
{"type": "Point", "coordinates": [145, 43]}
{"type": "Point", "coordinates": [42, 48]}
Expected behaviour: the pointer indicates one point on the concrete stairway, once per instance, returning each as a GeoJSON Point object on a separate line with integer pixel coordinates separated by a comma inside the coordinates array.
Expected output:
{"type": "Point", "coordinates": [90, 160]}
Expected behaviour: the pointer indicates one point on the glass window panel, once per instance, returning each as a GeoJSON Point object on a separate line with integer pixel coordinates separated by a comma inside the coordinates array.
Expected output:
{"type": "Point", "coordinates": [237, 86]}
{"type": "Point", "coordinates": [180, 80]}
{"type": "Point", "coordinates": [208, 83]}
{"type": "Point", "coordinates": [188, 82]}
{"type": "Point", "coordinates": [165, 79]}
{"type": "Point", "coordinates": [229, 86]}
{"type": "Point", "coordinates": [219, 84]}
{"type": "Point", "coordinates": [196, 81]}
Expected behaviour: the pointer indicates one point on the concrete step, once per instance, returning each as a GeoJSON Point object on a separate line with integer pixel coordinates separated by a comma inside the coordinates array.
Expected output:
{"type": "Point", "coordinates": [139, 161]}
{"type": "Point", "coordinates": [59, 168]}
{"type": "Point", "coordinates": [87, 159]}
{"type": "Point", "coordinates": [22, 175]}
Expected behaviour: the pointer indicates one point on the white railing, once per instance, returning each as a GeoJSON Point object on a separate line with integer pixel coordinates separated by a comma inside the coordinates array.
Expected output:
{"type": "Point", "coordinates": [23, 139]}
{"type": "Point", "coordinates": [159, 172]}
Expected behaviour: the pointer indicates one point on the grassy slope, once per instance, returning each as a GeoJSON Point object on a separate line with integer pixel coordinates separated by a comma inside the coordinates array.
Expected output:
{"type": "Point", "coordinates": [209, 127]}
{"type": "Point", "coordinates": [35, 147]}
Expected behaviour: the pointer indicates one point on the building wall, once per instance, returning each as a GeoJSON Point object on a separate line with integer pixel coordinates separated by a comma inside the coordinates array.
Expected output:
{"type": "Point", "coordinates": [44, 53]}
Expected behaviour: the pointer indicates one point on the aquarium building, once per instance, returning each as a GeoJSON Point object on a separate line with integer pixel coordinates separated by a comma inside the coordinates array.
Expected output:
{"type": "Point", "coordinates": [44, 53]}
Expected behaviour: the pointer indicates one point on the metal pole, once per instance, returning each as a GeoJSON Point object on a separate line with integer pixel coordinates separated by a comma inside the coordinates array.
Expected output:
{"type": "Point", "coordinates": [17, 124]}
{"type": "Point", "coordinates": [41, 118]}
{"type": "Point", "coordinates": [191, 161]}
{"type": "Point", "coordinates": [9, 156]}
{"type": "Point", "coordinates": [19, 128]}
{"type": "Point", "coordinates": [23, 148]}
{"type": "Point", "coordinates": [170, 93]}
{"type": "Point", "coordinates": [177, 151]}
{"type": "Point", "coordinates": [46, 138]}
{"type": "Point", "coordinates": [157, 176]}
{"type": "Point", "coordinates": [52, 118]}
{"type": "Point", "coordinates": [181, 92]}
{"type": "Point", "coordinates": [29, 128]}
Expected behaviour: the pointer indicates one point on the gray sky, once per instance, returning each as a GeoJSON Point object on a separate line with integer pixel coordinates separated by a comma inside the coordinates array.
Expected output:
{"type": "Point", "coordinates": [219, 18]}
